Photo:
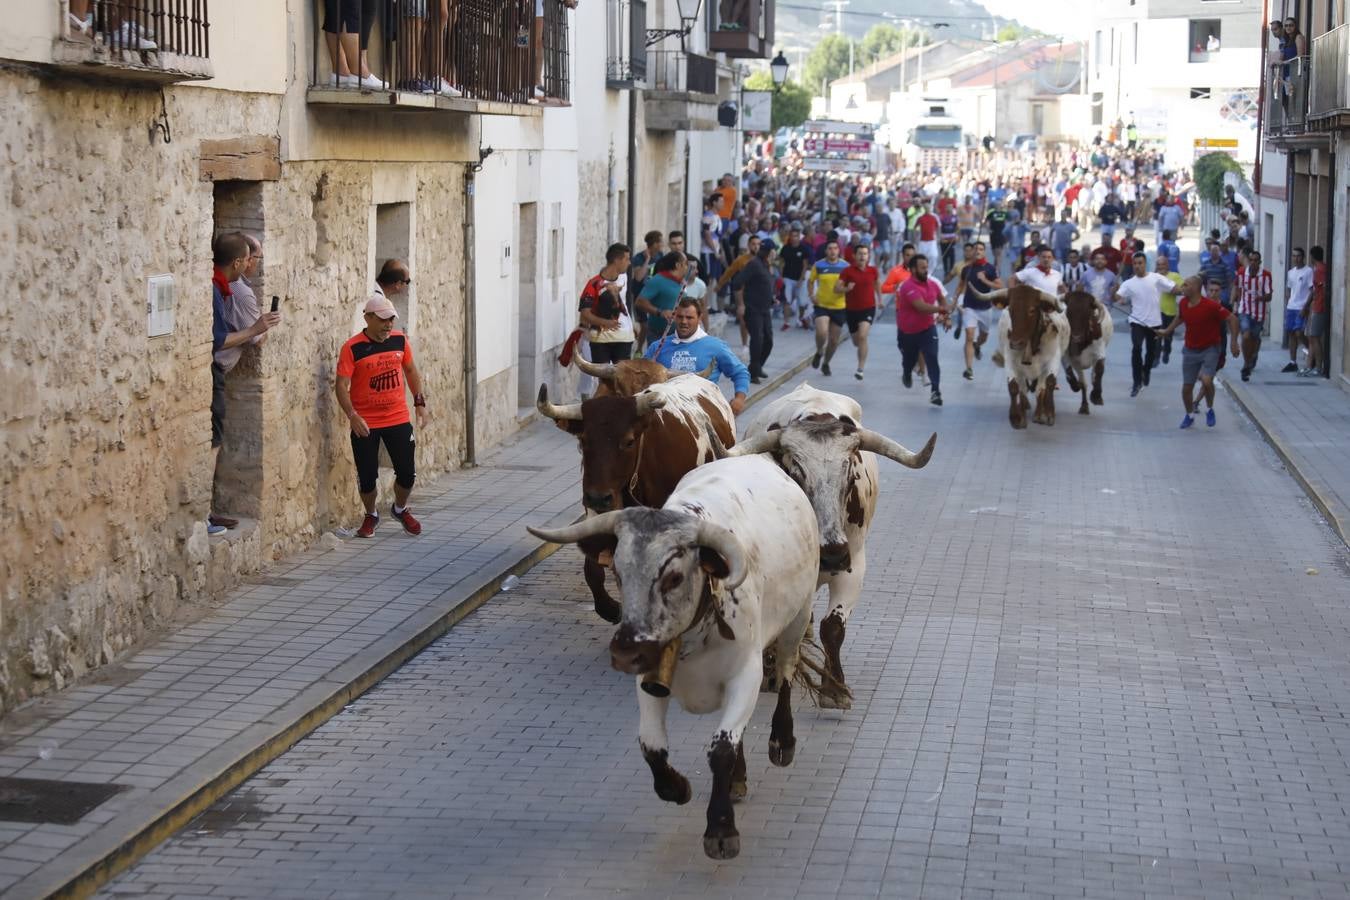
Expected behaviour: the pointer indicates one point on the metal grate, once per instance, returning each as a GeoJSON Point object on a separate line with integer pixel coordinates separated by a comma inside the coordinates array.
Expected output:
{"type": "Point", "coordinates": [153, 26]}
{"type": "Point", "coordinates": [44, 802]}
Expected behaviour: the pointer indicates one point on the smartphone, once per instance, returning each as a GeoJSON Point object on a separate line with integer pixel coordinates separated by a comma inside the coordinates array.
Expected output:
{"type": "Point", "coordinates": [276, 302]}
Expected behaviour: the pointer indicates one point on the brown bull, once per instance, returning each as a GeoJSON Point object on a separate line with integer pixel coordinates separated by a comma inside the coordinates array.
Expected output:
{"type": "Point", "coordinates": [1032, 337]}
{"type": "Point", "coordinates": [1090, 330]}
{"type": "Point", "coordinates": [634, 450]}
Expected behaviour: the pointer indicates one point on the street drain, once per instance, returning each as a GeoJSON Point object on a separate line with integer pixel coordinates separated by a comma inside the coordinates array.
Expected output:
{"type": "Point", "coordinates": [45, 802]}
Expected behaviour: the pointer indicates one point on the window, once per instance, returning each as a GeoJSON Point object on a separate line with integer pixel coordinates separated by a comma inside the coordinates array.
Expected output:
{"type": "Point", "coordinates": [1199, 93]}
{"type": "Point", "coordinates": [1204, 39]}
{"type": "Point", "coordinates": [1135, 41]}
{"type": "Point", "coordinates": [1097, 53]}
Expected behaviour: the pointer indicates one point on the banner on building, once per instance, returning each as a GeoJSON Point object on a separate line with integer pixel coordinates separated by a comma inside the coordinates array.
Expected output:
{"type": "Point", "coordinates": [1204, 146]}
{"type": "Point", "coordinates": [757, 111]}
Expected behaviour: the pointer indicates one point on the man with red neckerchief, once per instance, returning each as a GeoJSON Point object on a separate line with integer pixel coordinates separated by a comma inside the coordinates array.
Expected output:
{"type": "Point", "coordinates": [1043, 275]}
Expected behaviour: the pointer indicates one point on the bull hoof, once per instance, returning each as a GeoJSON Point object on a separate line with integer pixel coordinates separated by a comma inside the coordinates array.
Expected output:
{"type": "Point", "coordinates": [674, 789]}
{"type": "Point", "coordinates": [833, 701]}
{"type": "Point", "coordinates": [1073, 383]}
{"type": "Point", "coordinates": [1019, 424]}
{"type": "Point", "coordinates": [726, 846]}
{"type": "Point", "coordinates": [609, 609]}
{"type": "Point", "coordinates": [782, 754]}
{"type": "Point", "coordinates": [739, 790]}
{"type": "Point", "coordinates": [1083, 410]}
{"type": "Point", "coordinates": [1096, 399]}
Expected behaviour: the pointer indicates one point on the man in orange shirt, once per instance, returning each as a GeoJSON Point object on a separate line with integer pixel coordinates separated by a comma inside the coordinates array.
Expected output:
{"type": "Point", "coordinates": [372, 367]}
{"type": "Point", "coordinates": [726, 193]}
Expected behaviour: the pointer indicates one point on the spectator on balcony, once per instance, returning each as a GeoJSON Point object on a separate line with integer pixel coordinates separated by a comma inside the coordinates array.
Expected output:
{"type": "Point", "coordinates": [439, 59]}
{"type": "Point", "coordinates": [538, 43]}
{"type": "Point", "coordinates": [346, 27]}
{"type": "Point", "coordinates": [412, 75]}
{"type": "Point", "coordinates": [232, 258]}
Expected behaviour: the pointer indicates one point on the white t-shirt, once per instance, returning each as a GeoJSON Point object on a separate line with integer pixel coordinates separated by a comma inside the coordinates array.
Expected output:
{"type": "Point", "coordinates": [1145, 294]}
{"type": "Point", "coordinates": [622, 334]}
{"type": "Point", "coordinates": [1299, 282]}
{"type": "Point", "coordinates": [1033, 276]}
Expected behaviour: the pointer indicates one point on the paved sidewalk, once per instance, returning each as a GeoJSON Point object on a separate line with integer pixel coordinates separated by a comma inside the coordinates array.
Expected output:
{"type": "Point", "coordinates": [182, 722]}
{"type": "Point", "coordinates": [1307, 421]}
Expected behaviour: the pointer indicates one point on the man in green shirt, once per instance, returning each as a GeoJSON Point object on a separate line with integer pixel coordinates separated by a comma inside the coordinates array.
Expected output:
{"type": "Point", "coordinates": [661, 294]}
{"type": "Point", "coordinates": [1167, 304]}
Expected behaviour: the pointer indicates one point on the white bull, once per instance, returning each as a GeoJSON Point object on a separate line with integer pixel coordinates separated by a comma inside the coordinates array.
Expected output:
{"type": "Point", "coordinates": [1032, 337]}
{"type": "Point", "coordinates": [725, 569]}
{"type": "Point", "coordinates": [1090, 330]}
{"type": "Point", "coordinates": [818, 439]}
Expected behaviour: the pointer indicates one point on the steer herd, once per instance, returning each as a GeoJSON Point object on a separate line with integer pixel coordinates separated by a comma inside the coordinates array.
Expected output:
{"type": "Point", "coordinates": [717, 548]}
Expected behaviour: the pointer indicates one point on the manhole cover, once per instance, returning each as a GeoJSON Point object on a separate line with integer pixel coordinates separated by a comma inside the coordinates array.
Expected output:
{"type": "Point", "coordinates": [51, 802]}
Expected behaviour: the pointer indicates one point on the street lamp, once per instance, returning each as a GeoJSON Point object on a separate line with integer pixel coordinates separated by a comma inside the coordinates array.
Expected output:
{"type": "Point", "coordinates": [688, 10]}
{"type": "Point", "coordinates": [779, 70]}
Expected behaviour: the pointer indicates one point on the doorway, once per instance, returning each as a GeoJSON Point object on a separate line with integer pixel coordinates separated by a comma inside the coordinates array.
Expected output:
{"type": "Point", "coordinates": [527, 309]}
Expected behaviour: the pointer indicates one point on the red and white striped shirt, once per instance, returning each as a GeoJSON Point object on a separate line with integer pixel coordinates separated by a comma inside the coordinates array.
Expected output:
{"type": "Point", "coordinates": [1250, 288]}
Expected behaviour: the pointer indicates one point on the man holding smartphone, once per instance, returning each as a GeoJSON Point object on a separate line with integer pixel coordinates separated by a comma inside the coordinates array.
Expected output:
{"type": "Point", "coordinates": [603, 311]}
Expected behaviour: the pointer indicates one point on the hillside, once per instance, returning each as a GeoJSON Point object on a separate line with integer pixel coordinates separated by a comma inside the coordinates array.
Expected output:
{"type": "Point", "coordinates": [800, 23]}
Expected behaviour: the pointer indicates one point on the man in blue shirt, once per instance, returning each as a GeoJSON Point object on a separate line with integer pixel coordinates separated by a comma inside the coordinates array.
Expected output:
{"type": "Point", "coordinates": [1214, 267]}
{"type": "Point", "coordinates": [661, 292]}
{"type": "Point", "coordinates": [691, 349]}
{"type": "Point", "coordinates": [1169, 249]}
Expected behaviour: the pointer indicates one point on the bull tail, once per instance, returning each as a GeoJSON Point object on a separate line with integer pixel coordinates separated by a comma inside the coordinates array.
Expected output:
{"type": "Point", "coordinates": [813, 675]}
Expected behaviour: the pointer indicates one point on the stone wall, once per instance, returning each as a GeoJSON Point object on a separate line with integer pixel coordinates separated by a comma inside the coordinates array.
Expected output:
{"type": "Point", "coordinates": [105, 465]}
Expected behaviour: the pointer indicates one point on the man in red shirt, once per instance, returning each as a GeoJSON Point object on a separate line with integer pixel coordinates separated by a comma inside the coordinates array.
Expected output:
{"type": "Point", "coordinates": [1316, 325]}
{"type": "Point", "coordinates": [927, 225]}
{"type": "Point", "coordinates": [918, 303]}
{"type": "Point", "coordinates": [862, 294]}
{"type": "Point", "coordinates": [371, 371]}
{"type": "Point", "coordinates": [1204, 319]}
{"type": "Point", "coordinates": [1110, 253]}
{"type": "Point", "coordinates": [1253, 287]}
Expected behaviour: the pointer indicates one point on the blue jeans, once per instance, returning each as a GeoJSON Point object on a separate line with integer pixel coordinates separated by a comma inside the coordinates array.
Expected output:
{"type": "Point", "coordinates": [925, 342]}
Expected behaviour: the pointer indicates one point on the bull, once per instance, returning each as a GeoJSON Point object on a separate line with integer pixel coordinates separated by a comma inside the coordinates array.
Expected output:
{"type": "Point", "coordinates": [818, 439]}
{"type": "Point", "coordinates": [1090, 330]}
{"type": "Point", "coordinates": [1032, 337]}
{"type": "Point", "coordinates": [634, 450]}
{"type": "Point", "coordinates": [723, 570]}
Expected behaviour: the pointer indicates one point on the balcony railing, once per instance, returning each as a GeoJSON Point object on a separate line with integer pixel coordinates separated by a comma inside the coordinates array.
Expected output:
{"type": "Point", "coordinates": [150, 40]}
{"type": "Point", "coordinates": [1330, 57]}
{"type": "Point", "coordinates": [1287, 96]}
{"type": "Point", "coordinates": [747, 36]}
{"type": "Point", "coordinates": [675, 70]}
{"type": "Point", "coordinates": [419, 53]}
{"type": "Point", "coordinates": [626, 56]}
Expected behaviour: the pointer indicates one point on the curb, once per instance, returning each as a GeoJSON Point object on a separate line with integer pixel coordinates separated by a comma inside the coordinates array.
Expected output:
{"type": "Point", "coordinates": [1289, 457]}
{"type": "Point", "coordinates": [99, 863]}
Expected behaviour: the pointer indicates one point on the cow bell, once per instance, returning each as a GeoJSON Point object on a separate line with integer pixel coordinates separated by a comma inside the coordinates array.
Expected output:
{"type": "Point", "coordinates": [657, 683]}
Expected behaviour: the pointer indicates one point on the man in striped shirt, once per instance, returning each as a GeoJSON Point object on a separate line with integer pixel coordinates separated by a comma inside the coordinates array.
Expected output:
{"type": "Point", "coordinates": [1253, 289]}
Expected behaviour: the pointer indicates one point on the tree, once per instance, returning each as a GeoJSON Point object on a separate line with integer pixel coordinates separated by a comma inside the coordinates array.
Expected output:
{"type": "Point", "coordinates": [1209, 171]}
{"type": "Point", "coordinates": [882, 41]}
{"type": "Point", "coordinates": [827, 61]}
{"type": "Point", "coordinates": [1012, 32]}
{"type": "Point", "coordinates": [791, 105]}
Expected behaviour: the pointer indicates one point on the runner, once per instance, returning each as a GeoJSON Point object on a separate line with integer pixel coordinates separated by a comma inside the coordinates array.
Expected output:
{"type": "Point", "coordinates": [1143, 291]}
{"type": "Point", "coordinates": [1253, 301]}
{"type": "Point", "coordinates": [997, 219]}
{"type": "Point", "coordinates": [795, 257]}
{"type": "Point", "coordinates": [1202, 350]}
{"type": "Point", "coordinates": [1167, 304]}
{"type": "Point", "coordinates": [859, 285]}
{"type": "Point", "coordinates": [830, 316]}
{"type": "Point", "coordinates": [979, 317]}
{"type": "Point", "coordinates": [918, 307]}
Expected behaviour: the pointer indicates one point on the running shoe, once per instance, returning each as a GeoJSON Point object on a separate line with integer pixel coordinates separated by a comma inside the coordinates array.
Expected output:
{"type": "Point", "coordinates": [1187, 420]}
{"type": "Point", "coordinates": [786, 326]}
{"type": "Point", "coordinates": [1209, 418]}
{"type": "Point", "coordinates": [1134, 391]}
{"type": "Point", "coordinates": [935, 398]}
{"type": "Point", "coordinates": [1290, 367]}
{"type": "Point", "coordinates": [1246, 374]}
{"type": "Point", "coordinates": [825, 369]}
{"type": "Point", "coordinates": [368, 525]}
{"type": "Point", "coordinates": [858, 374]}
{"type": "Point", "coordinates": [968, 375]}
{"type": "Point", "coordinates": [907, 380]}
{"type": "Point", "coordinates": [815, 360]}
{"type": "Point", "coordinates": [410, 525]}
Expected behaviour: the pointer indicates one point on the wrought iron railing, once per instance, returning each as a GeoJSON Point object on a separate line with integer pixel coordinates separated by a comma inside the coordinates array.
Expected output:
{"type": "Point", "coordinates": [492, 50]}
{"type": "Point", "coordinates": [1287, 86]}
{"type": "Point", "coordinates": [626, 54]}
{"type": "Point", "coordinates": [675, 70]}
{"type": "Point", "coordinates": [180, 27]}
{"type": "Point", "coordinates": [1330, 59]}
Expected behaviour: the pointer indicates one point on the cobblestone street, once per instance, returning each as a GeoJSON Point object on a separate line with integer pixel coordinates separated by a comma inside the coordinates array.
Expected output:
{"type": "Point", "coordinates": [1101, 659]}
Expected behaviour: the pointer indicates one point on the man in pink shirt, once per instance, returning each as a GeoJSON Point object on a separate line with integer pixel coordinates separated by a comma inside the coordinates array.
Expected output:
{"type": "Point", "coordinates": [919, 303]}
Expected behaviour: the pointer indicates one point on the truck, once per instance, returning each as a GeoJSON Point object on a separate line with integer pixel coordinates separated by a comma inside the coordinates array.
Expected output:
{"type": "Point", "coordinates": [934, 139]}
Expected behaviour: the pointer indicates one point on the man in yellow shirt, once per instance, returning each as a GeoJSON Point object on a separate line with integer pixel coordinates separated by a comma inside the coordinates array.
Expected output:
{"type": "Point", "coordinates": [829, 306]}
{"type": "Point", "coordinates": [1167, 303]}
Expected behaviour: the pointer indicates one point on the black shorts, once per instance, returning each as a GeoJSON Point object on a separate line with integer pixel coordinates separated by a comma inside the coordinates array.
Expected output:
{"type": "Point", "coordinates": [836, 316]}
{"type": "Point", "coordinates": [399, 441]}
{"type": "Point", "coordinates": [997, 240]}
{"type": "Point", "coordinates": [217, 404]}
{"type": "Point", "coordinates": [611, 351]}
{"type": "Point", "coordinates": [856, 317]}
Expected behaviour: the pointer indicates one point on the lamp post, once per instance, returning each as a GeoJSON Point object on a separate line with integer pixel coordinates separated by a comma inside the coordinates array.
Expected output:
{"type": "Point", "coordinates": [688, 10]}
{"type": "Point", "coordinates": [779, 70]}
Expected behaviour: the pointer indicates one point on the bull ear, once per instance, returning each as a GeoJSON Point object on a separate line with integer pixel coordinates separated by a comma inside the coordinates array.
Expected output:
{"type": "Point", "coordinates": [595, 545]}
{"type": "Point", "coordinates": [571, 427]}
{"type": "Point", "coordinates": [850, 426]}
{"type": "Point", "coordinates": [712, 562]}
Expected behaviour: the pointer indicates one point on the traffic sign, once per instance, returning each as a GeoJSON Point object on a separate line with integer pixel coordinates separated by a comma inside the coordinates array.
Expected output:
{"type": "Point", "coordinates": [830, 126]}
{"type": "Point", "coordinates": [836, 145]}
{"type": "Point", "coordinates": [821, 164]}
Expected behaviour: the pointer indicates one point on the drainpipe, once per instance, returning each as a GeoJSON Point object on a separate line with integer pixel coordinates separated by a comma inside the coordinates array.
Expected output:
{"type": "Point", "coordinates": [632, 167]}
{"type": "Point", "coordinates": [470, 324]}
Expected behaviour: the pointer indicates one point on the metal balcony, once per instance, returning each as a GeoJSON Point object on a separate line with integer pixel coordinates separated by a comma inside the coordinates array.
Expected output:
{"type": "Point", "coordinates": [682, 92]}
{"type": "Point", "coordinates": [748, 37]}
{"type": "Point", "coordinates": [1329, 101]}
{"type": "Point", "coordinates": [148, 41]}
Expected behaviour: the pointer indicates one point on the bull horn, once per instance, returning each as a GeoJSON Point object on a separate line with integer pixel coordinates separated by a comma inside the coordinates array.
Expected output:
{"type": "Point", "coordinates": [1046, 295]}
{"type": "Point", "coordinates": [723, 542]}
{"type": "Point", "coordinates": [647, 402]}
{"type": "Point", "coordinates": [1000, 294]}
{"type": "Point", "coordinates": [569, 413]}
{"type": "Point", "coordinates": [707, 373]}
{"type": "Point", "coordinates": [880, 444]}
{"type": "Point", "coordinates": [765, 442]}
{"type": "Point", "coordinates": [604, 523]}
{"type": "Point", "coordinates": [605, 371]}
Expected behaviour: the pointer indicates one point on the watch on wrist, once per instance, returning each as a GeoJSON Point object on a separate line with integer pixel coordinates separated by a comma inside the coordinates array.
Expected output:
{"type": "Point", "coordinates": [419, 400]}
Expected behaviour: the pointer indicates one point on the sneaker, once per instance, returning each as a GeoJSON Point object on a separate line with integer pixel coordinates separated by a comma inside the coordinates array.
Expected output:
{"type": "Point", "coordinates": [756, 379]}
{"type": "Point", "coordinates": [1290, 367]}
{"type": "Point", "coordinates": [222, 521]}
{"type": "Point", "coordinates": [1187, 420]}
{"type": "Point", "coordinates": [539, 92]}
{"type": "Point", "coordinates": [448, 89]}
{"type": "Point", "coordinates": [1166, 357]}
{"type": "Point", "coordinates": [786, 326]}
{"type": "Point", "coordinates": [129, 37]}
{"type": "Point", "coordinates": [410, 525]}
{"type": "Point", "coordinates": [907, 380]}
{"type": "Point", "coordinates": [978, 355]}
{"type": "Point", "coordinates": [935, 398]}
{"type": "Point", "coordinates": [968, 375]}
{"type": "Point", "coordinates": [214, 529]}
{"type": "Point", "coordinates": [371, 83]}
{"type": "Point", "coordinates": [825, 369]}
{"type": "Point", "coordinates": [80, 29]}
{"type": "Point", "coordinates": [368, 525]}
{"type": "Point", "coordinates": [858, 374]}
{"type": "Point", "coordinates": [1246, 374]}
{"type": "Point", "coordinates": [815, 361]}
{"type": "Point", "coordinates": [348, 81]}
{"type": "Point", "coordinates": [1134, 391]}
{"type": "Point", "coordinates": [1209, 418]}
